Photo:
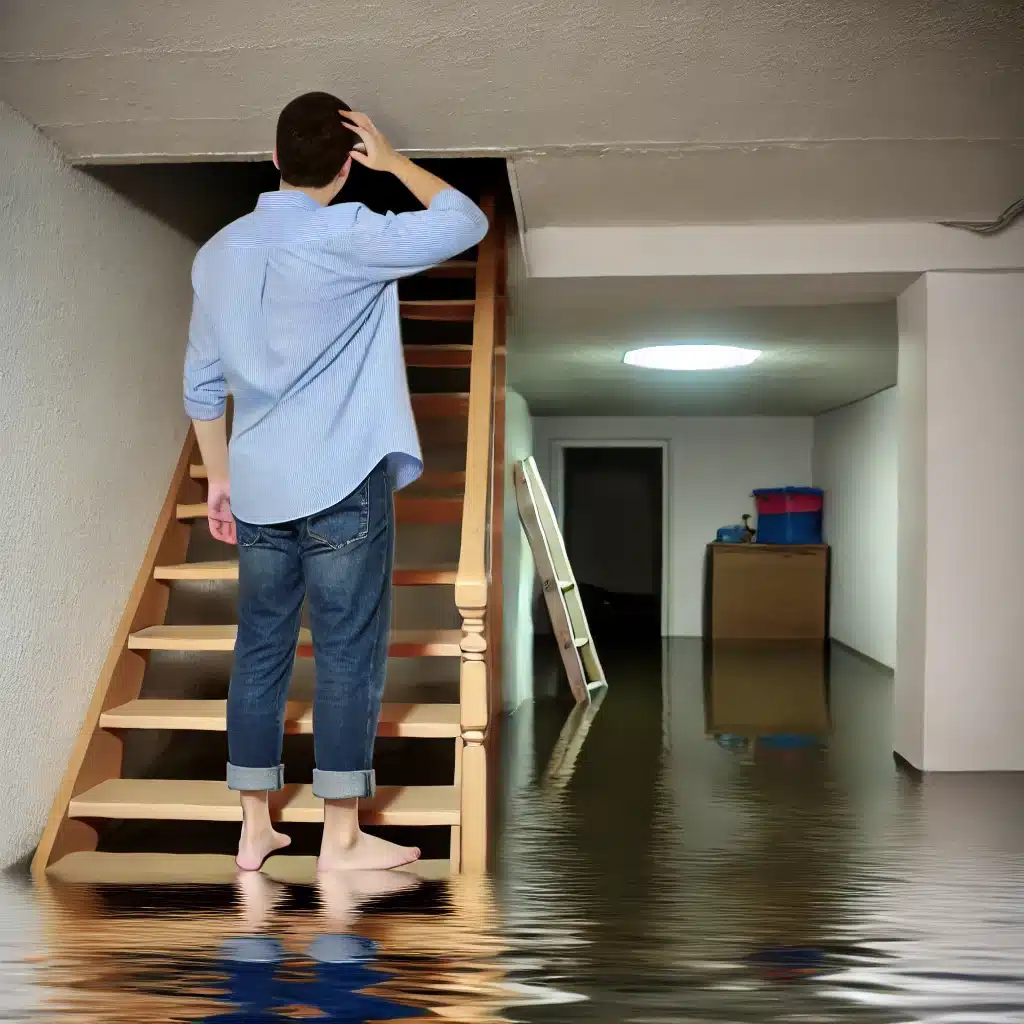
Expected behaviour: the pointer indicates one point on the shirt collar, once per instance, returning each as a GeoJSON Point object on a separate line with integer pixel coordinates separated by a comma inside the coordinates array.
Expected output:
{"type": "Point", "coordinates": [286, 199]}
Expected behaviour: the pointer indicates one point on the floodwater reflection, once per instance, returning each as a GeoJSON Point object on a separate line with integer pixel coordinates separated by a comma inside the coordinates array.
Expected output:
{"type": "Point", "coordinates": [725, 838]}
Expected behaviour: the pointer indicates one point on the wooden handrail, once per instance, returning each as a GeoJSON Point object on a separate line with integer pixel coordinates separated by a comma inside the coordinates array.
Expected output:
{"type": "Point", "coordinates": [472, 579]}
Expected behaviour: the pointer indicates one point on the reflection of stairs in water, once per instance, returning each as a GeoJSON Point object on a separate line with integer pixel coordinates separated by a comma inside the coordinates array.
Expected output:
{"type": "Point", "coordinates": [435, 952]}
{"type": "Point", "coordinates": [161, 694]}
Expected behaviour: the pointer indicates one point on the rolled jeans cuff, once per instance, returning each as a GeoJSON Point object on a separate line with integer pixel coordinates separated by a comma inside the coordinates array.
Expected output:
{"type": "Point", "coordinates": [343, 785]}
{"type": "Point", "coordinates": [255, 779]}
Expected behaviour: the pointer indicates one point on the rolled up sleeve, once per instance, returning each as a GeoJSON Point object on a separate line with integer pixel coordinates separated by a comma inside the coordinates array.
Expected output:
{"type": "Point", "coordinates": [204, 385]}
{"type": "Point", "coordinates": [400, 245]}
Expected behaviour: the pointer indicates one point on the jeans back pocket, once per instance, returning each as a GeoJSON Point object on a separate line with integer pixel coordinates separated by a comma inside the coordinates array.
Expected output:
{"type": "Point", "coordinates": [346, 523]}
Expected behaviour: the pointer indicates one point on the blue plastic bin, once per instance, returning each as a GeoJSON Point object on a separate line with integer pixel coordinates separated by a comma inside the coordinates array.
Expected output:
{"type": "Point", "coordinates": [789, 515]}
{"type": "Point", "coordinates": [731, 534]}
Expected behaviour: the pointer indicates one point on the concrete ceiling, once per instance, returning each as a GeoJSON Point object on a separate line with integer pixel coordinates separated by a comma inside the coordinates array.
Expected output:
{"type": "Point", "coordinates": [825, 342]}
{"type": "Point", "coordinates": [652, 110]}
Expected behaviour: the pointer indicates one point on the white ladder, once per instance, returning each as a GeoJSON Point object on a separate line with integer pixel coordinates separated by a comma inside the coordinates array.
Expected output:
{"type": "Point", "coordinates": [568, 619]}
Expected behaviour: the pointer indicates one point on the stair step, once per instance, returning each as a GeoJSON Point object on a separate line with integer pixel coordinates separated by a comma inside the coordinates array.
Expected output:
{"type": "Point", "coordinates": [97, 868]}
{"type": "Point", "coordinates": [438, 355]}
{"type": "Point", "coordinates": [420, 721]}
{"type": "Point", "coordinates": [210, 800]}
{"type": "Point", "coordinates": [439, 480]}
{"type": "Point", "coordinates": [453, 268]}
{"type": "Point", "coordinates": [442, 404]}
{"type": "Point", "coordinates": [431, 480]}
{"type": "Point", "coordinates": [228, 570]}
{"type": "Point", "coordinates": [440, 643]}
{"type": "Point", "coordinates": [438, 309]}
{"type": "Point", "coordinates": [434, 509]}
{"type": "Point", "coordinates": [442, 355]}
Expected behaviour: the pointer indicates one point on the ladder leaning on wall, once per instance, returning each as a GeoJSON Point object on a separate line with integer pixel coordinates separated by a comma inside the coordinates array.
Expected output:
{"type": "Point", "coordinates": [561, 593]}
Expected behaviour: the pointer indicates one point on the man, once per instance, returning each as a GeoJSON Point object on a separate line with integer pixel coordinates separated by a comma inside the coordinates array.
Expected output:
{"type": "Point", "coordinates": [296, 314]}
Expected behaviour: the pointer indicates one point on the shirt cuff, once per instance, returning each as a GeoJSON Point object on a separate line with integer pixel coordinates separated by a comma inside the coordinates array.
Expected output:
{"type": "Point", "coordinates": [204, 410]}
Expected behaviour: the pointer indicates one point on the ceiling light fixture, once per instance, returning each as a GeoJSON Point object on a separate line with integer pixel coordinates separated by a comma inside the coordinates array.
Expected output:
{"type": "Point", "coordinates": [691, 357]}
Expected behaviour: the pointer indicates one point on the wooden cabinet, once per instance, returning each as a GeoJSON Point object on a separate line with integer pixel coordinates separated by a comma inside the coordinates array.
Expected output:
{"type": "Point", "coordinates": [766, 592]}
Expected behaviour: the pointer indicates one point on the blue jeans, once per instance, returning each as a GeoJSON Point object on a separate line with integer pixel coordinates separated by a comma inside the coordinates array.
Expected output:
{"type": "Point", "coordinates": [341, 561]}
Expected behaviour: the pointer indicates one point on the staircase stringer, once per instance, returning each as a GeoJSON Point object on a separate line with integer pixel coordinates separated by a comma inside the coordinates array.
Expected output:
{"type": "Point", "coordinates": [97, 753]}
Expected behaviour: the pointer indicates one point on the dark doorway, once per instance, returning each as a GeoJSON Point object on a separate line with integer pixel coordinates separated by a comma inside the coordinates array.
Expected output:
{"type": "Point", "coordinates": [613, 536]}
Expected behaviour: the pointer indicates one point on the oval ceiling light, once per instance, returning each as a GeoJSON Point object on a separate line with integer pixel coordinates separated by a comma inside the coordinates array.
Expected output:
{"type": "Point", "coordinates": [691, 357]}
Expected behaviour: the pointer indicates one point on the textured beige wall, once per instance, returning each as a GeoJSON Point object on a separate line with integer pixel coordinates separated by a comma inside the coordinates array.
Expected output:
{"type": "Point", "coordinates": [94, 301]}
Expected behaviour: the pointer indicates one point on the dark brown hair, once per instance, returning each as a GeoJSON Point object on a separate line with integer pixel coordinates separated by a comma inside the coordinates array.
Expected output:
{"type": "Point", "coordinates": [312, 140]}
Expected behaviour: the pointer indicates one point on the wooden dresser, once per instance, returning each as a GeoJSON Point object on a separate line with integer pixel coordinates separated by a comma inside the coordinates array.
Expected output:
{"type": "Point", "coordinates": [766, 592]}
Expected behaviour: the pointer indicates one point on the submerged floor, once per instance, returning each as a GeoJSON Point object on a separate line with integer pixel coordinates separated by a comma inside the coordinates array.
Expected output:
{"type": "Point", "coordinates": [726, 839]}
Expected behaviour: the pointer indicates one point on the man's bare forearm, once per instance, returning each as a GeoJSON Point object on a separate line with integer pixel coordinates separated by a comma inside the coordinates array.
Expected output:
{"type": "Point", "coordinates": [212, 436]}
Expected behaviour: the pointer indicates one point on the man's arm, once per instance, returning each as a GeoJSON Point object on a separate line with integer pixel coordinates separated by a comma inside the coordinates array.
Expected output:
{"type": "Point", "coordinates": [408, 243]}
{"type": "Point", "coordinates": [206, 404]}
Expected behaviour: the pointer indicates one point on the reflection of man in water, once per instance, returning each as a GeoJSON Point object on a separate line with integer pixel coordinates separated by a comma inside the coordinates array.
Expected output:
{"type": "Point", "coordinates": [263, 981]}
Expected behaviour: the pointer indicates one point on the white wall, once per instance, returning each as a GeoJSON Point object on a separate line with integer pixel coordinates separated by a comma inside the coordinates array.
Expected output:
{"type": "Point", "coordinates": [713, 465]}
{"type": "Point", "coordinates": [856, 464]}
{"type": "Point", "coordinates": [960, 694]}
{"type": "Point", "coordinates": [94, 301]}
{"type": "Point", "coordinates": [518, 569]}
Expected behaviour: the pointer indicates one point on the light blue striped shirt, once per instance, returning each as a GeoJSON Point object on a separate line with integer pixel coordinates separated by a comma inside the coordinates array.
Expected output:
{"type": "Point", "coordinates": [295, 313]}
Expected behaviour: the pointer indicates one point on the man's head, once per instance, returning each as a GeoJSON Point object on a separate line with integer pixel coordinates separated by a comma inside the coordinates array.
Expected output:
{"type": "Point", "coordinates": [314, 145]}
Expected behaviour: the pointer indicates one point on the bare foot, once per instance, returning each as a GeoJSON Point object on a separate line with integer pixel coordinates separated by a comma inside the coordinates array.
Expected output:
{"type": "Point", "coordinates": [254, 849]}
{"type": "Point", "coordinates": [366, 853]}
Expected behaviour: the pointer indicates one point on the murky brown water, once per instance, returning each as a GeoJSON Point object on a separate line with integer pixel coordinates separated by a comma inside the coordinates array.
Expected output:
{"type": "Point", "coordinates": [732, 842]}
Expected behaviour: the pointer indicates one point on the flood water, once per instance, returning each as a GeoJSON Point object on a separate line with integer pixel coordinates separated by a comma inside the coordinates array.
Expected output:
{"type": "Point", "coordinates": [727, 838]}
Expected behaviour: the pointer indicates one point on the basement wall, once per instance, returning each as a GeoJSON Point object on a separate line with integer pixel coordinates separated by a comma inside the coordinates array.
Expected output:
{"type": "Point", "coordinates": [713, 464]}
{"type": "Point", "coordinates": [856, 463]}
{"type": "Point", "coordinates": [95, 301]}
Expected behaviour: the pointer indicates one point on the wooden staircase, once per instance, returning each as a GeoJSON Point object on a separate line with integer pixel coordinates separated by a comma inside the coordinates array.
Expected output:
{"type": "Point", "coordinates": [465, 497]}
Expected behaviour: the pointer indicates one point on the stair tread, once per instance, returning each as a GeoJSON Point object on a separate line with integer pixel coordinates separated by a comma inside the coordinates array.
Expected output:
{"type": "Point", "coordinates": [438, 355]}
{"type": "Point", "coordinates": [438, 309]}
{"type": "Point", "coordinates": [408, 643]}
{"type": "Point", "coordinates": [100, 868]}
{"type": "Point", "coordinates": [453, 268]}
{"type": "Point", "coordinates": [424, 721]}
{"type": "Point", "coordinates": [441, 403]}
{"type": "Point", "coordinates": [410, 508]}
{"type": "Point", "coordinates": [438, 480]}
{"type": "Point", "coordinates": [211, 800]}
{"type": "Point", "coordinates": [440, 575]}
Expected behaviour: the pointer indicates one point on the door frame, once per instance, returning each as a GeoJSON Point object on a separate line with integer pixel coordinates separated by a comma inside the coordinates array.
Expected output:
{"type": "Point", "coordinates": [557, 495]}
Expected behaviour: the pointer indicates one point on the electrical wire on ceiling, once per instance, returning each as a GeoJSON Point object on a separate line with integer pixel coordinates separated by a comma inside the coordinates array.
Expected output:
{"type": "Point", "coordinates": [989, 227]}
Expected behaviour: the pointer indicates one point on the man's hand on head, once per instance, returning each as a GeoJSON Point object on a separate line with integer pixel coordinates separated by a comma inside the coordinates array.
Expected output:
{"type": "Point", "coordinates": [377, 153]}
{"type": "Point", "coordinates": [218, 513]}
